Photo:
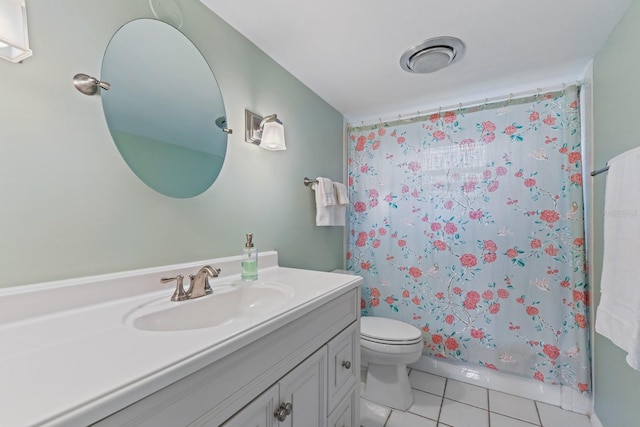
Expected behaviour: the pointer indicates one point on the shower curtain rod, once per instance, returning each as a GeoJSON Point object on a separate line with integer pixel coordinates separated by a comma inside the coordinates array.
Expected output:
{"type": "Point", "coordinates": [373, 123]}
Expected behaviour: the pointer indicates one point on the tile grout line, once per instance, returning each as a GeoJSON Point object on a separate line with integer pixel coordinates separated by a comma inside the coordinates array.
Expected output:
{"type": "Point", "coordinates": [444, 391]}
{"type": "Point", "coordinates": [537, 423]}
{"type": "Point", "coordinates": [517, 419]}
{"type": "Point", "coordinates": [535, 403]}
{"type": "Point", "coordinates": [473, 405]}
{"type": "Point", "coordinates": [387, 420]}
{"type": "Point", "coordinates": [488, 409]}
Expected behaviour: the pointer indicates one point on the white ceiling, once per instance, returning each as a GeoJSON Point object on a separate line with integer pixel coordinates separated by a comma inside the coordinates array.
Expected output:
{"type": "Point", "coordinates": [348, 51]}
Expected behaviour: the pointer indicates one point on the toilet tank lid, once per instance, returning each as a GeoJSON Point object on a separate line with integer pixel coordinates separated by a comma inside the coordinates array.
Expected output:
{"type": "Point", "coordinates": [388, 329]}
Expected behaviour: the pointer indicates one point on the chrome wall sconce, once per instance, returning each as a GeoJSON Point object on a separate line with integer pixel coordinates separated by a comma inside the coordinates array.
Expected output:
{"type": "Point", "coordinates": [14, 37]}
{"type": "Point", "coordinates": [266, 132]}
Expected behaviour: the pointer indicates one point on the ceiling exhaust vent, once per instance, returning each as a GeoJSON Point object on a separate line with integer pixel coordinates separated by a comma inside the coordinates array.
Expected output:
{"type": "Point", "coordinates": [432, 55]}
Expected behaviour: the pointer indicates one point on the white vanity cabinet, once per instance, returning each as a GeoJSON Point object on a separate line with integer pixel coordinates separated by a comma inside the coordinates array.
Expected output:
{"type": "Point", "coordinates": [324, 384]}
{"type": "Point", "coordinates": [311, 360]}
{"type": "Point", "coordinates": [304, 389]}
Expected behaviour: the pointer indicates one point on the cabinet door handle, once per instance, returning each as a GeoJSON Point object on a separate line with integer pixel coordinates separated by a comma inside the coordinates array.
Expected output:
{"type": "Point", "coordinates": [284, 410]}
{"type": "Point", "coordinates": [346, 364]}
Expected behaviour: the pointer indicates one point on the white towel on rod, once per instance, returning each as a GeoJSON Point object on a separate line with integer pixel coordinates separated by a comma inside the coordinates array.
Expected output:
{"type": "Point", "coordinates": [618, 314]}
{"type": "Point", "coordinates": [325, 201]}
{"type": "Point", "coordinates": [325, 194]}
{"type": "Point", "coordinates": [342, 201]}
{"type": "Point", "coordinates": [341, 193]}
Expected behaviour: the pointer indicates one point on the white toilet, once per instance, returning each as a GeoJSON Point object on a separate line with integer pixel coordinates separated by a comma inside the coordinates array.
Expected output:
{"type": "Point", "coordinates": [387, 347]}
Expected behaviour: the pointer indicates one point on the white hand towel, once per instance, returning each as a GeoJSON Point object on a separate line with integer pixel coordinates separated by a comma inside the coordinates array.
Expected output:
{"type": "Point", "coordinates": [341, 193]}
{"type": "Point", "coordinates": [325, 201]}
{"type": "Point", "coordinates": [618, 314]}
{"type": "Point", "coordinates": [342, 201]}
{"type": "Point", "coordinates": [325, 194]}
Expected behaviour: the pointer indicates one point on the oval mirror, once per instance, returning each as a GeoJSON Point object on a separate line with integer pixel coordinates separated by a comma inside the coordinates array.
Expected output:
{"type": "Point", "coordinates": [164, 109]}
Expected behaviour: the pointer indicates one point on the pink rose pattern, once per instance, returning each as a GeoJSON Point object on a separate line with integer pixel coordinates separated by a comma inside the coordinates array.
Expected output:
{"type": "Point", "coordinates": [469, 225]}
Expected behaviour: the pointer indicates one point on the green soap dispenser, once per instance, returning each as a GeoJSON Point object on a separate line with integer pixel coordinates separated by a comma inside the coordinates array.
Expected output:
{"type": "Point", "coordinates": [249, 260]}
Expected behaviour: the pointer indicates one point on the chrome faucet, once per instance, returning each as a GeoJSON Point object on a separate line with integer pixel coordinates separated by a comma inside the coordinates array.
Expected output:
{"type": "Point", "coordinates": [198, 287]}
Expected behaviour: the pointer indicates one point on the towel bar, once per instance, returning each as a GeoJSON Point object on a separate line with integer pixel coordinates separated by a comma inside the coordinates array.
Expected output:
{"type": "Point", "coordinates": [308, 181]}
{"type": "Point", "coordinates": [599, 171]}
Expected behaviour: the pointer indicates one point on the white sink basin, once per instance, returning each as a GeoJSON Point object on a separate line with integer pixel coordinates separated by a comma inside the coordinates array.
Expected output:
{"type": "Point", "coordinates": [226, 305]}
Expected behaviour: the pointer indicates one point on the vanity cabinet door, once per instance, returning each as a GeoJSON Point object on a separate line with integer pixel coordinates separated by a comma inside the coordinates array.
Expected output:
{"type": "Point", "coordinates": [346, 412]}
{"type": "Point", "coordinates": [344, 364]}
{"type": "Point", "coordinates": [305, 388]}
{"type": "Point", "coordinates": [303, 391]}
{"type": "Point", "coordinates": [258, 413]}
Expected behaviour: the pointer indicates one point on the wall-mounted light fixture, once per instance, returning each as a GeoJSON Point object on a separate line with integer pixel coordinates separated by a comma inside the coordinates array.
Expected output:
{"type": "Point", "coordinates": [14, 37]}
{"type": "Point", "coordinates": [267, 132]}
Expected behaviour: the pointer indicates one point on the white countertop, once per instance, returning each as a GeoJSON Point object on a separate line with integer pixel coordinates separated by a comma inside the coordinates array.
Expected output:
{"type": "Point", "coordinates": [73, 363]}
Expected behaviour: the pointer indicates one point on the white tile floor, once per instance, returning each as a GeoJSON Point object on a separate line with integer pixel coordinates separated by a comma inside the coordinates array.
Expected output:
{"type": "Point", "coordinates": [441, 402]}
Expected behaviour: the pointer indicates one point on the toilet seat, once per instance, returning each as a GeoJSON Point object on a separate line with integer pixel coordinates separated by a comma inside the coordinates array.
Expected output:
{"type": "Point", "coordinates": [381, 330]}
{"type": "Point", "coordinates": [392, 349]}
{"type": "Point", "coordinates": [390, 342]}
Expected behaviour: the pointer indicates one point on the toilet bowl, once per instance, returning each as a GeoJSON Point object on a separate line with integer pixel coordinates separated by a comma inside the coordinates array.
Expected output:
{"type": "Point", "coordinates": [387, 347]}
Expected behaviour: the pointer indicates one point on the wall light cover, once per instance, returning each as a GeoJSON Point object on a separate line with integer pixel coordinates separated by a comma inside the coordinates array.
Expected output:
{"type": "Point", "coordinates": [273, 136]}
{"type": "Point", "coordinates": [14, 37]}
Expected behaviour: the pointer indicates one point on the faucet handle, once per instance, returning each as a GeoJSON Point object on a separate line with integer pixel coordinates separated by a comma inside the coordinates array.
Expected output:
{"type": "Point", "coordinates": [179, 294]}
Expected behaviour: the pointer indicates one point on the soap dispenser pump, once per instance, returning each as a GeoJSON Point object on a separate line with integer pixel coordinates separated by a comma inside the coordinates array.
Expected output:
{"type": "Point", "coordinates": [249, 260]}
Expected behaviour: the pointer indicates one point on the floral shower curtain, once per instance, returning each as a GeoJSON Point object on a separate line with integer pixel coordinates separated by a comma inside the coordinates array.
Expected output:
{"type": "Point", "coordinates": [469, 225]}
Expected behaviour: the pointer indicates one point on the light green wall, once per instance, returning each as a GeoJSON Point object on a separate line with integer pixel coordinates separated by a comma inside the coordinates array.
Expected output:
{"type": "Point", "coordinates": [71, 207]}
{"type": "Point", "coordinates": [616, 110]}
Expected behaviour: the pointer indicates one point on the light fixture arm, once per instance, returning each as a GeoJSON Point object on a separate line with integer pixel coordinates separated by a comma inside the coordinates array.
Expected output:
{"type": "Point", "coordinates": [269, 118]}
